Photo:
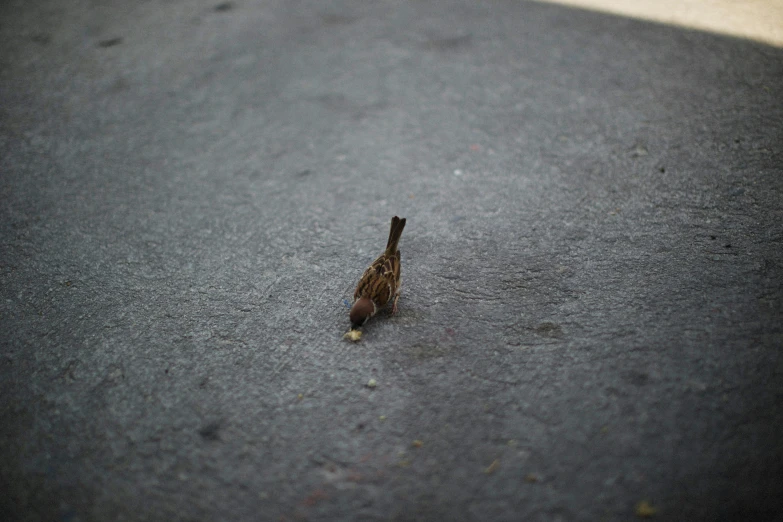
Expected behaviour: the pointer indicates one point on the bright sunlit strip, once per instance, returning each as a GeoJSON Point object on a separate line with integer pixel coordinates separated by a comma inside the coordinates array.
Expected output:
{"type": "Point", "coordinates": [760, 20]}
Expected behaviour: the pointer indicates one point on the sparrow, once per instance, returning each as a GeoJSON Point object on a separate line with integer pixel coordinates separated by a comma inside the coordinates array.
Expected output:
{"type": "Point", "coordinates": [381, 281]}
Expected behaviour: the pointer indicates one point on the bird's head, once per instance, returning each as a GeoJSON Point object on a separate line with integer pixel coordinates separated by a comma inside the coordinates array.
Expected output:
{"type": "Point", "coordinates": [362, 310]}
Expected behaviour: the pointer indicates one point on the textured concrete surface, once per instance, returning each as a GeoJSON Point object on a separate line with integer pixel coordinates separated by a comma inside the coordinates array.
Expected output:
{"type": "Point", "coordinates": [592, 300]}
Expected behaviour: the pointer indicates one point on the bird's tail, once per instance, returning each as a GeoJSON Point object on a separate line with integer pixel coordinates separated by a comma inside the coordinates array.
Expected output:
{"type": "Point", "coordinates": [395, 232]}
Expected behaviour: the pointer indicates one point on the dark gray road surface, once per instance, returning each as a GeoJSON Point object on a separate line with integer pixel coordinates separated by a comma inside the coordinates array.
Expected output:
{"type": "Point", "coordinates": [592, 313]}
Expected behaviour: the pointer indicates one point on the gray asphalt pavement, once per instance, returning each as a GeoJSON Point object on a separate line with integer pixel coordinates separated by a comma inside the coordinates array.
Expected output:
{"type": "Point", "coordinates": [591, 321]}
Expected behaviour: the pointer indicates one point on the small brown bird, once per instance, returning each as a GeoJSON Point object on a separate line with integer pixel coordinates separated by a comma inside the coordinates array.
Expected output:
{"type": "Point", "coordinates": [381, 281]}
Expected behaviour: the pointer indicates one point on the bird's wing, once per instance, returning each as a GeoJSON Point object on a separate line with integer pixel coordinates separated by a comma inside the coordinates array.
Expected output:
{"type": "Point", "coordinates": [377, 281]}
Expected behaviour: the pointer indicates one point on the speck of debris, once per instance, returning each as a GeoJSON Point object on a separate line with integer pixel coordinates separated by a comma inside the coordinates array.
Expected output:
{"type": "Point", "coordinates": [372, 383]}
{"type": "Point", "coordinates": [531, 478]}
{"type": "Point", "coordinates": [300, 397]}
{"type": "Point", "coordinates": [492, 467]}
{"type": "Point", "coordinates": [111, 42]}
{"type": "Point", "coordinates": [645, 510]}
{"type": "Point", "coordinates": [417, 443]}
{"type": "Point", "coordinates": [548, 329]}
{"type": "Point", "coordinates": [41, 38]}
{"type": "Point", "coordinates": [223, 7]}
{"type": "Point", "coordinates": [211, 431]}
{"type": "Point", "coordinates": [382, 418]}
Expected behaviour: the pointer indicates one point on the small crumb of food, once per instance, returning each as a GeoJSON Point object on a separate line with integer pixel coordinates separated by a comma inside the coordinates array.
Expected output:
{"type": "Point", "coordinates": [353, 335]}
{"type": "Point", "coordinates": [372, 383]}
{"type": "Point", "coordinates": [417, 443]}
{"type": "Point", "coordinates": [382, 418]}
{"type": "Point", "coordinates": [492, 467]}
{"type": "Point", "coordinates": [645, 510]}
{"type": "Point", "coordinates": [531, 478]}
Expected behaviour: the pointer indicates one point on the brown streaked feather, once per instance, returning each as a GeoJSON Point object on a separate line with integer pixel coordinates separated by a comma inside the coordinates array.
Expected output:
{"type": "Point", "coordinates": [381, 281]}
{"type": "Point", "coordinates": [395, 231]}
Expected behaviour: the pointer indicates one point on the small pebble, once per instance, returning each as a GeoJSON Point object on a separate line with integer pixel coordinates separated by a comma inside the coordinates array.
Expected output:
{"type": "Point", "coordinates": [492, 467]}
{"type": "Point", "coordinates": [645, 510]}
